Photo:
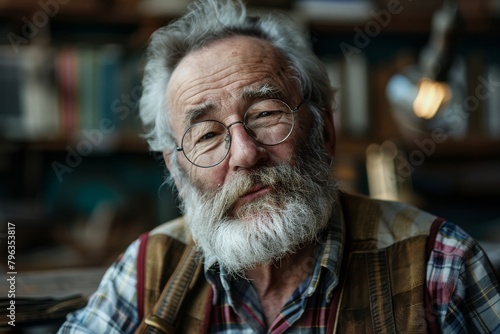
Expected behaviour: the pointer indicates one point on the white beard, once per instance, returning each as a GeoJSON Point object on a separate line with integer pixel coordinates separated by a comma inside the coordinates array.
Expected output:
{"type": "Point", "coordinates": [271, 226]}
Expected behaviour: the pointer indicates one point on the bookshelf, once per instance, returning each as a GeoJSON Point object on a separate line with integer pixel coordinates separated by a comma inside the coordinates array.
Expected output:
{"type": "Point", "coordinates": [80, 185]}
{"type": "Point", "coordinates": [72, 162]}
{"type": "Point", "coordinates": [457, 177]}
{"type": "Point", "coordinates": [85, 64]}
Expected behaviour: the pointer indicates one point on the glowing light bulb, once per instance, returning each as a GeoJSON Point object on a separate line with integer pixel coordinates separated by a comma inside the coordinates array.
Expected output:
{"type": "Point", "coordinates": [431, 96]}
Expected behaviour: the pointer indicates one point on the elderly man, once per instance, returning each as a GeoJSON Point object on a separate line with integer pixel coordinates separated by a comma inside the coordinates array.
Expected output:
{"type": "Point", "coordinates": [241, 109]}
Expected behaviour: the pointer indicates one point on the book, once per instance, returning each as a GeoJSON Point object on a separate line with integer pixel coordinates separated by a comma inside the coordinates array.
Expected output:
{"type": "Point", "coordinates": [10, 94]}
{"type": "Point", "coordinates": [491, 87]}
{"type": "Point", "coordinates": [54, 93]}
{"type": "Point", "coordinates": [340, 11]}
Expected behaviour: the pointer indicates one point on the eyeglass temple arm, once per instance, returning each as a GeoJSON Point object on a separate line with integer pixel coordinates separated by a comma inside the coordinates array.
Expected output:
{"type": "Point", "coordinates": [297, 107]}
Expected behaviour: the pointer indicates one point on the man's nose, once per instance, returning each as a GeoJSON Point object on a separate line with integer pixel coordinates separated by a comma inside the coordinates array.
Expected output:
{"type": "Point", "coordinates": [245, 152]}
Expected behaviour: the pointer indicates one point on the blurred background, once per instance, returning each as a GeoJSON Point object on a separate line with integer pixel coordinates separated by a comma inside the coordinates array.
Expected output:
{"type": "Point", "coordinates": [417, 116]}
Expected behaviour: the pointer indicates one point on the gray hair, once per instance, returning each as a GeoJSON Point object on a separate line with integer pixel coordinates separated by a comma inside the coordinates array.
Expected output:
{"type": "Point", "coordinates": [207, 21]}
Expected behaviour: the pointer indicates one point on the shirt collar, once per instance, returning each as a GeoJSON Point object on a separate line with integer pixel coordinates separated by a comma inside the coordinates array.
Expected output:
{"type": "Point", "coordinates": [331, 256]}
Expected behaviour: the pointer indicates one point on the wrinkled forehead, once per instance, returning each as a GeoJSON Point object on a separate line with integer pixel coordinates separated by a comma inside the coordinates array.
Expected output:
{"type": "Point", "coordinates": [227, 71]}
{"type": "Point", "coordinates": [234, 49]}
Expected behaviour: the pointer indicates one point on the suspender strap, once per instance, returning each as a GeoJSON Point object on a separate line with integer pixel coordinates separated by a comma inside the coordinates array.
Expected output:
{"type": "Point", "coordinates": [164, 315]}
{"type": "Point", "coordinates": [141, 272]}
{"type": "Point", "coordinates": [430, 316]}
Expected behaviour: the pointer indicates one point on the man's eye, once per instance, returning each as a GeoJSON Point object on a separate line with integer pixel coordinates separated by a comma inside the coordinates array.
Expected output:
{"type": "Point", "coordinates": [269, 113]}
{"type": "Point", "coordinates": [207, 136]}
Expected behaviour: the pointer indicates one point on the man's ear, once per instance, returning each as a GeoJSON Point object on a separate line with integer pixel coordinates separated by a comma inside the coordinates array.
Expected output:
{"type": "Point", "coordinates": [329, 131]}
{"type": "Point", "coordinates": [166, 157]}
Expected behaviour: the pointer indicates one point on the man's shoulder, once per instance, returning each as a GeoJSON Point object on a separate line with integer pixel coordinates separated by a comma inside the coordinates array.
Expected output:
{"type": "Point", "coordinates": [387, 222]}
{"type": "Point", "coordinates": [175, 229]}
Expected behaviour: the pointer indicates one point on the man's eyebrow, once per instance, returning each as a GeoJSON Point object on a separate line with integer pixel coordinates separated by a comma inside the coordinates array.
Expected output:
{"type": "Point", "coordinates": [266, 91]}
{"type": "Point", "coordinates": [194, 114]}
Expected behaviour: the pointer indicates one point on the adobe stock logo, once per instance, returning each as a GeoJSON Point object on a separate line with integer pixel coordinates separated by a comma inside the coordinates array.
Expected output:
{"type": "Point", "coordinates": [39, 19]}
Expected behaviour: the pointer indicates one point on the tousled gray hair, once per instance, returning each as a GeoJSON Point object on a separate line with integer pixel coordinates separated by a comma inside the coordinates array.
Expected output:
{"type": "Point", "coordinates": [207, 21]}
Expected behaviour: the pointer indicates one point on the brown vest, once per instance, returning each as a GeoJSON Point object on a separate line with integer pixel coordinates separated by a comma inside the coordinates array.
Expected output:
{"type": "Point", "coordinates": [382, 288]}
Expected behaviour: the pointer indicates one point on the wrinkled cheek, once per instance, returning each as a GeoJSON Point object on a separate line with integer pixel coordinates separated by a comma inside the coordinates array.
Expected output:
{"type": "Point", "coordinates": [203, 179]}
{"type": "Point", "coordinates": [290, 153]}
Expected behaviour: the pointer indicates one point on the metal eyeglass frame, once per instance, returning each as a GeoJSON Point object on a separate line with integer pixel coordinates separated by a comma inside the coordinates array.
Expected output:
{"type": "Point", "coordinates": [248, 131]}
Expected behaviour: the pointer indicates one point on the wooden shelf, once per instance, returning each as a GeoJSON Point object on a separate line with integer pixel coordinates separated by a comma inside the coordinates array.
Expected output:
{"type": "Point", "coordinates": [88, 11]}
{"type": "Point", "coordinates": [122, 142]}
{"type": "Point", "coordinates": [352, 147]}
{"type": "Point", "coordinates": [472, 147]}
{"type": "Point", "coordinates": [416, 18]}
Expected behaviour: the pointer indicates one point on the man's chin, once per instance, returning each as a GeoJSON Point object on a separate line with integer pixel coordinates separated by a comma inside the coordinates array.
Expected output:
{"type": "Point", "coordinates": [259, 209]}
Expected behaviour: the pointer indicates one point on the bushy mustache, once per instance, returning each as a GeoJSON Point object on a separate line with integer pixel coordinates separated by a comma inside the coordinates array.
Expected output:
{"type": "Point", "coordinates": [283, 180]}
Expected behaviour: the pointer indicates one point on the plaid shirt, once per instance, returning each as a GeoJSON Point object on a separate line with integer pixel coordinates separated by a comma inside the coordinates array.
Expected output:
{"type": "Point", "coordinates": [465, 294]}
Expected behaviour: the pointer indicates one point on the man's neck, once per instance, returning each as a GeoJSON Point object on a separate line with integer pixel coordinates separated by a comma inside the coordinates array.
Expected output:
{"type": "Point", "coordinates": [275, 282]}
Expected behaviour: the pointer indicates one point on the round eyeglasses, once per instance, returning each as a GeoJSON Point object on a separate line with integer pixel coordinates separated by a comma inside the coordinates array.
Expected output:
{"type": "Point", "coordinates": [269, 122]}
